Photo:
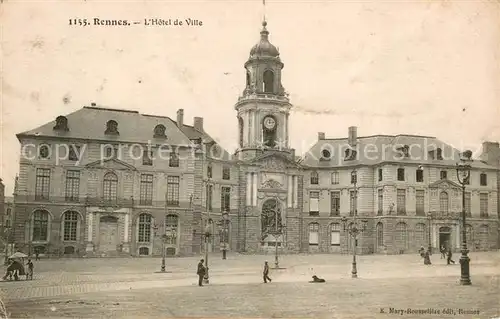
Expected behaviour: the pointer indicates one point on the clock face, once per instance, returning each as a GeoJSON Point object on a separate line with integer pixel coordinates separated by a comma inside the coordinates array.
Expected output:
{"type": "Point", "coordinates": [269, 123]}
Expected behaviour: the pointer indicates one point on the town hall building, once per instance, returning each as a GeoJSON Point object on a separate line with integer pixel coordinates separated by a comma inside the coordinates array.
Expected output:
{"type": "Point", "coordinates": [104, 182]}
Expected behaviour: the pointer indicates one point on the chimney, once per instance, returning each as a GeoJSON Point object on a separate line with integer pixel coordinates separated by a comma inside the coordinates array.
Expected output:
{"type": "Point", "coordinates": [180, 118]}
{"type": "Point", "coordinates": [321, 136]}
{"type": "Point", "coordinates": [353, 136]}
{"type": "Point", "coordinates": [198, 123]}
{"type": "Point", "coordinates": [93, 104]}
{"type": "Point", "coordinates": [490, 152]}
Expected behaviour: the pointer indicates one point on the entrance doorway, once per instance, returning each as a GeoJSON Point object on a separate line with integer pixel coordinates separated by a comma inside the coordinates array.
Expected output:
{"type": "Point", "coordinates": [108, 233]}
{"type": "Point", "coordinates": [445, 237]}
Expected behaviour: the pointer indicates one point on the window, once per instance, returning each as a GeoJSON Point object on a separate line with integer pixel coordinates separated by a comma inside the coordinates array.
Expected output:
{"type": "Point", "coordinates": [146, 190]}
{"type": "Point", "coordinates": [314, 178]}
{"type": "Point", "coordinates": [350, 154]}
{"type": "Point", "coordinates": [483, 180]}
{"type": "Point", "coordinates": [42, 187]}
{"type": "Point", "coordinates": [468, 211]}
{"type": "Point", "coordinates": [335, 234]}
{"type": "Point", "coordinates": [380, 174]}
{"type": "Point", "coordinates": [143, 251]}
{"type": "Point", "coordinates": [443, 202]}
{"type": "Point", "coordinates": [111, 128]}
{"type": "Point", "coordinates": [380, 234]}
{"type": "Point", "coordinates": [401, 236]}
{"type": "Point", "coordinates": [72, 186]}
{"type": "Point", "coordinates": [352, 202]}
{"type": "Point", "coordinates": [241, 130]}
{"type": "Point", "coordinates": [174, 160]}
{"type": "Point", "coordinates": [439, 154]}
{"type": "Point", "coordinates": [209, 171]}
{"type": "Point", "coordinates": [171, 224]}
{"type": "Point", "coordinates": [314, 203]}
{"type": "Point", "coordinates": [335, 203]}
{"type": "Point", "coordinates": [225, 199]}
{"type": "Point", "coordinates": [335, 178]}
{"type": "Point", "coordinates": [420, 235]}
{"type": "Point", "coordinates": [40, 225]}
{"type": "Point", "coordinates": [443, 175]}
{"type": "Point", "coordinates": [173, 190]}
{"type": "Point", "coordinates": [210, 192]}
{"type": "Point", "coordinates": [354, 177]}
{"type": "Point", "coordinates": [44, 152]}
{"type": "Point", "coordinates": [401, 174]}
{"type": "Point", "coordinates": [159, 131]}
{"type": "Point", "coordinates": [380, 201]}
{"type": "Point", "coordinates": [70, 226]}
{"type": "Point", "coordinates": [268, 81]}
{"type": "Point", "coordinates": [420, 176]}
{"type": "Point", "coordinates": [109, 152]}
{"type": "Point", "coordinates": [226, 173]}
{"type": "Point", "coordinates": [420, 202]}
{"type": "Point", "coordinates": [73, 152]}
{"type": "Point", "coordinates": [313, 234]}
{"type": "Point", "coordinates": [145, 221]}
{"type": "Point", "coordinates": [325, 154]}
{"type": "Point", "coordinates": [483, 205]}
{"type": "Point", "coordinates": [110, 187]}
{"type": "Point", "coordinates": [147, 158]}
{"type": "Point", "coordinates": [401, 201]}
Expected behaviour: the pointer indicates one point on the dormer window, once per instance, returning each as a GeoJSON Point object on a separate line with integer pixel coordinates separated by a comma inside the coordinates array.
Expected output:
{"type": "Point", "coordinates": [443, 175]}
{"type": "Point", "coordinates": [401, 174]}
{"type": "Point", "coordinates": [209, 171]}
{"type": "Point", "coordinates": [405, 149]}
{"type": "Point", "coordinates": [467, 155]}
{"type": "Point", "coordinates": [44, 152]}
{"type": "Point", "coordinates": [159, 131]}
{"type": "Point", "coordinates": [350, 154]}
{"type": "Point", "coordinates": [325, 154]}
{"type": "Point", "coordinates": [439, 154]}
{"type": "Point", "coordinates": [112, 128]}
{"type": "Point", "coordinates": [483, 179]}
{"type": "Point", "coordinates": [61, 124]}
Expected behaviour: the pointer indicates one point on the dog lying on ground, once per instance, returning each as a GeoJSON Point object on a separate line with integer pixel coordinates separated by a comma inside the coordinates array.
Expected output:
{"type": "Point", "coordinates": [317, 280]}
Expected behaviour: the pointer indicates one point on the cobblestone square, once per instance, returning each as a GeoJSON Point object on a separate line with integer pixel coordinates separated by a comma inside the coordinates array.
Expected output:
{"type": "Point", "coordinates": [129, 288]}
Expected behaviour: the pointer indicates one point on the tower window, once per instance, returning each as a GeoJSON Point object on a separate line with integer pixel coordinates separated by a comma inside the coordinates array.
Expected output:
{"type": "Point", "coordinates": [248, 78]}
{"type": "Point", "coordinates": [268, 81]}
{"type": "Point", "coordinates": [240, 123]}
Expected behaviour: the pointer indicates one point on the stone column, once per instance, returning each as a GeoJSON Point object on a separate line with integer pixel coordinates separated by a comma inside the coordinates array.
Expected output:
{"type": "Point", "coordinates": [295, 191]}
{"type": "Point", "coordinates": [126, 240]}
{"type": "Point", "coordinates": [254, 189]}
{"type": "Point", "coordinates": [249, 189]}
{"type": "Point", "coordinates": [90, 224]}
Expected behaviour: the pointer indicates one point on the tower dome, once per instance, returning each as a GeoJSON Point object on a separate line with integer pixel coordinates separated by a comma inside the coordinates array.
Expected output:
{"type": "Point", "coordinates": [264, 48]}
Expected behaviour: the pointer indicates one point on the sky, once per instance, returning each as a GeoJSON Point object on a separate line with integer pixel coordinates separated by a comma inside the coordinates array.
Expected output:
{"type": "Point", "coordinates": [388, 67]}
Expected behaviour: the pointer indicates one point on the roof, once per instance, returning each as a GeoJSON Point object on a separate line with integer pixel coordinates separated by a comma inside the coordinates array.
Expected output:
{"type": "Point", "coordinates": [377, 149]}
{"type": "Point", "coordinates": [90, 123]}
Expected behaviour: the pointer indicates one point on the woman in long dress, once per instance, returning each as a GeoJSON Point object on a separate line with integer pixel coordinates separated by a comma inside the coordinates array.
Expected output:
{"type": "Point", "coordinates": [427, 258]}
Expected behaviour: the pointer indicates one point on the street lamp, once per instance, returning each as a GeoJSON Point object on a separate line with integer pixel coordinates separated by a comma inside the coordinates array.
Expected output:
{"type": "Point", "coordinates": [208, 234]}
{"type": "Point", "coordinates": [463, 174]}
{"type": "Point", "coordinates": [355, 229]}
{"type": "Point", "coordinates": [224, 234]}
{"type": "Point", "coordinates": [277, 232]}
{"type": "Point", "coordinates": [163, 238]}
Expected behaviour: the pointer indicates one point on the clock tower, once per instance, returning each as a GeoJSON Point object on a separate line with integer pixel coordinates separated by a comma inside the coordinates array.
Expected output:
{"type": "Point", "coordinates": [263, 108]}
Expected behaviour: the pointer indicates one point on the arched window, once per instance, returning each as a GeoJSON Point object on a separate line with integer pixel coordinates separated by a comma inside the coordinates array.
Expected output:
{"type": "Point", "coordinates": [159, 131]}
{"type": "Point", "coordinates": [40, 225]}
{"type": "Point", "coordinates": [335, 234]}
{"type": "Point", "coordinates": [268, 81]}
{"type": "Point", "coordinates": [314, 178]}
{"type": "Point", "coordinates": [70, 226]}
{"type": "Point", "coordinates": [248, 78]}
{"type": "Point", "coordinates": [110, 187]}
{"type": "Point", "coordinates": [420, 238]}
{"type": "Point", "coordinates": [401, 236]}
{"type": "Point", "coordinates": [209, 171]}
{"type": "Point", "coordinates": [241, 127]}
{"type": "Point", "coordinates": [143, 251]}
{"type": "Point", "coordinates": [44, 151]}
{"type": "Point", "coordinates": [144, 235]}
{"type": "Point", "coordinates": [111, 127]}
{"type": "Point", "coordinates": [172, 227]}
{"type": "Point", "coordinates": [271, 221]}
{"type": "Point", "coordinates": [443, 202]}
{"type": "Point", "coordinates": [380, 234]}
{"type": "Point", "coordinates": [313, 234]}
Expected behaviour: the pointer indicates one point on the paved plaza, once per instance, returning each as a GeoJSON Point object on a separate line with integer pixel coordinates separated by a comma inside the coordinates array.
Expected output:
{"type": "Point", "coordinates": [130, 288]}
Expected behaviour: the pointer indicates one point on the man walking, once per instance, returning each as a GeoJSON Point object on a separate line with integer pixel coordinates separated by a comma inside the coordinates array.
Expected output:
{"type": "Point", "coordinates": [266, 273]}
{"type": "Point", "coordinates": [448, 259]}
{"type": "Point", "coordinates": [201, 272]}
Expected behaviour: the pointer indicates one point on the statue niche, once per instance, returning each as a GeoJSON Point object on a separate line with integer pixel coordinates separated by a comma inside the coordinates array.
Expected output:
{"type": "Point", "coordinates": [271, 221]}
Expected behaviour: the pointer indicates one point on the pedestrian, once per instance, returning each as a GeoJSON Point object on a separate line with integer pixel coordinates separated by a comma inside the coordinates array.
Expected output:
{"type": "Point", "coordinates": [201, 272]}
{"type": "Point", "coordinates": [443, 252]}
{"type": "Point", "coordinates": [29, 274]}
{"type": "Point", "coordinates": [427, 258]}
{"type": "Point", "coordinates": [448, 259]}
{"type": "Point", "coordinates": [266, 273]}
{"type": "Point", "coordinates": [421, 251]}
{"type": "Point", "coordinates": [37, 255]}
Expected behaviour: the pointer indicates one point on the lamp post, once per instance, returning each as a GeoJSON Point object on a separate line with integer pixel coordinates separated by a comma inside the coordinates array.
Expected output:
{"type": "Point", "coordinates": [224, 234]}
{"type": "Point", "coordinates": [355, 229]}
{"type": "Point", "coordinates": [163, 237]}
{"type": "Point", "coordinates": [208, 234]}
{"type": "Point", "coordinates": [463, 174]}
{"type": "Point", "coordinates": [277, 232]}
